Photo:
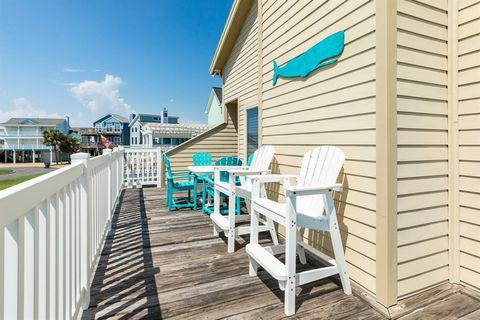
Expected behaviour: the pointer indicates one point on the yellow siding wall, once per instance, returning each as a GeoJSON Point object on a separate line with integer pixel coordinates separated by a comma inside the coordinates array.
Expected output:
{"type": "Point", "coordinates": [220, 141]}
{"type": "Point", "coordinates": [469, 140]}
{"type": "Point", "coordinates": [422, 144]}
{"type": "Point", "coordinates": [240, 73]}
{"type": "Point", "coordinates": [334, 105]}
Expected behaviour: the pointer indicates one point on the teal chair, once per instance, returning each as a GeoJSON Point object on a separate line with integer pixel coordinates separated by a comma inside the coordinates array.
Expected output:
{"type": "Point", "coordinates": [207, 185]}
{"type": "Point", "coordinates": [202, 159]}
{"type": "Point", "coordinates": [181, 181]}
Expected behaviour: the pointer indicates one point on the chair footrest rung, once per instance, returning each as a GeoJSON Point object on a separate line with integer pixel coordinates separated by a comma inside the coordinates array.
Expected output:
{"type": "Point", "coordinates": [314, 275]}
{"type": "Point", "coordinates": [271, 264]}
{"type": "Point", "coordinates": [220, 221]}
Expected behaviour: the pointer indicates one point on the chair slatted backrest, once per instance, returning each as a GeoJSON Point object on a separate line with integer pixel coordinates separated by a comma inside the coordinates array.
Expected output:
{"type": "Point", "coordinates": [320, 166]}
{"type": "Point", "coordinates": [167, 166]}
{"type": "Point", "coordinates": [202, 159]}
{"type": "Point", "coordinates": [227, 161]}
{"type": "Point", "coordinates": [260, 161]}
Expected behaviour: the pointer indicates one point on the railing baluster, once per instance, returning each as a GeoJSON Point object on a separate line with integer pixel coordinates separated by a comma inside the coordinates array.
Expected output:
{"type": "Point", "coordinates": [52, 209]}
{"type": "Point", "coordinates": [66, 252]}
{"type": "Point", "coordinates": [60, 292]}
{"type": "Point", "coordinates": [26, 264]}
{"type": "Point", "coordinates": [40, 260]}
{"type": "Point", "coordinates": [9, 271]}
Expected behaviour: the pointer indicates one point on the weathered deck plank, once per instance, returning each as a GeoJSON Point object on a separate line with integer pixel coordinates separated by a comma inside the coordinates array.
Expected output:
{"type": "Point", "coordinates": [157, 265]}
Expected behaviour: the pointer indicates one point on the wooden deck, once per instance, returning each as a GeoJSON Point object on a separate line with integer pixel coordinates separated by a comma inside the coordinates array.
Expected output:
{"type": "Point", "coordinates": [158, 265]}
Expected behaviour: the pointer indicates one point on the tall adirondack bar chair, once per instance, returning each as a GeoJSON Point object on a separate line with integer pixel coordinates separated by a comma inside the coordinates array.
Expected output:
{"type": "Point", "coordinates": [208, 185]}
{"type": "Point", "coordinates": [259, 165]}
{"type": "Point", "coordinates": [310, 205]}
{"type": "Point", "coordinates": [181, 181]}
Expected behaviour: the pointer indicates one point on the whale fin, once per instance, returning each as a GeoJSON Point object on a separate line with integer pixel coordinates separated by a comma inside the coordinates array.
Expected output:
{"type": "Point", "coordinates": [276, 71]}
{"type": "Point", "coordinates": [326, 63]}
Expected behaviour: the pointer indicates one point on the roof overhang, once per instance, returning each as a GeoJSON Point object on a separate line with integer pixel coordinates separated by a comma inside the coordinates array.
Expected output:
{"type": "Point", "coordinates": [230, 33]}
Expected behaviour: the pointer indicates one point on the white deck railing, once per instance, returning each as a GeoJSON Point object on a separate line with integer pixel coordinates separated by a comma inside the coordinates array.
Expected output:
{"type": "Point", "coordinates": [143, 166]}
{"type": "Point", "coordinates": [52, 230]}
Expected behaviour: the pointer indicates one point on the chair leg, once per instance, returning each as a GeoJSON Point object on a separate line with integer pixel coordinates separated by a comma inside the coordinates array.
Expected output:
{"type": "Point", "coordinates": [290, 261]}
{"type": "Point", "coordinates": [253, 265]}
{"type": "Point", "coordinates": [290, 255]}
{"type": "Point", "coordinates": [337, 246]}
{"type": "Point", "coordinates": [169, 197]}
{"type": "Point", "coordinates": [300, 249]}
{"type": "Point", "coordinates": [273, 232]}
{"type": "Point", "coordinates": [203, 196]}
{"type": "Point", "coordinates": [340, 257]}
{"type": "Point", "coordinates": [195, 195]}
{"type": "Point", "coordinates": [216, 206]}
{"type": "Point", "coordinates": [231, 222]}
{"type": "Point", "coordinates": [237, 205]}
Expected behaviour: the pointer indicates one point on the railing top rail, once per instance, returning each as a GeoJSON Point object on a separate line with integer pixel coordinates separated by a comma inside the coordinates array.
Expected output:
{"type": "Point", "coordinates": [17, 200]}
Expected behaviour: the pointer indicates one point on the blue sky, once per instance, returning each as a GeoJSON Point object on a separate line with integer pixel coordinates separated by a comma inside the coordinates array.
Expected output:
{"type": "Point", "coordinates": [86, 58]}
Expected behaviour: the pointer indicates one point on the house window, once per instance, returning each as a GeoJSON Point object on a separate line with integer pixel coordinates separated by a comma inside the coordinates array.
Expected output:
{"type": "Point", "coordinates": [167, 140]}
{"type": "Point", "coordinates": [252, 130]}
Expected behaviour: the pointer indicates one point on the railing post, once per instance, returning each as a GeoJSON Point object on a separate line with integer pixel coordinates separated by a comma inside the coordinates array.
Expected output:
{"type": "Point", "coordinates": [159, 167]}
{"type": "Point", "coordinates": [109, 189]}
{"type": "Point", "coordinates": [85, 232]}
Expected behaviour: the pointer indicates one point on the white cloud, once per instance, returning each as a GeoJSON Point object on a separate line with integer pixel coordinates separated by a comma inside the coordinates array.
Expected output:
{"type": "Point", "coordinates": [73, 70]}
{"type": "Point", "coordinates": [76, 70]}
{"type": "Point", "coordinates": [101, 96]}
{"type": "Point", "coordinates": [23, 108]}
{"type": "Point", "coordinates": [172, 100]}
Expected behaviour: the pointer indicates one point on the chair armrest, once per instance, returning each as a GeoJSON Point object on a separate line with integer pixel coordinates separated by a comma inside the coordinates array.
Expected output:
{"type": "Point", "coordinates": [242, 173]}
{"type": "Point", "coordinates": [181, 173]}
{"type": "Point", "coordinates": [208, 179]}
{"type": "Point", "coordinates": [272, 177]}
{"type": "Point", "coordinates": [304, 191]}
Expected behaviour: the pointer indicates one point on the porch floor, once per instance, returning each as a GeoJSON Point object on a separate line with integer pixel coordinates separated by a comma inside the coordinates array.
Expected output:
{"type": "Point", "coordinates": [157, 265]}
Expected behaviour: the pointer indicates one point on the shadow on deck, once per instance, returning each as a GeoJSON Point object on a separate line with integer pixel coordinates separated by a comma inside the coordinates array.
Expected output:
{"type": "Point", "coordinates": [157, 265]}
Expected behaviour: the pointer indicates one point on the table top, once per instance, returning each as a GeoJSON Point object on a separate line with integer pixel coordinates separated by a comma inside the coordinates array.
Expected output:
{"type": "Point", "coordinates": [201, 169]}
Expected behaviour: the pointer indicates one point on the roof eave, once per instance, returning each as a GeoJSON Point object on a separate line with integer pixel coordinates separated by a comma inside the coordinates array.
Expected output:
{"type": "Point", "coordinates": [232, 29]}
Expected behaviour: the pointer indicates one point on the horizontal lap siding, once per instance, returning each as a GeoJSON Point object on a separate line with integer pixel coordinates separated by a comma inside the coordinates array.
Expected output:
{"type": "Point", "coordinates": [469, 134]}
{"type": "Point", "coordinates": [332, 106]}
{"type": "Point", "coordinates": [240, 74]}
{"type": "Point", "coordinates": [220, 142]}
{"type": "Point", "coordinates": [422, 145]}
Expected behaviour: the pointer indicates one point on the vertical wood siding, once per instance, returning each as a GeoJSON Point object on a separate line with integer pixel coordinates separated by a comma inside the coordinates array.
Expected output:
{"type": "Point", "coordinates": [333, 106]}
{"type": "Point", "coordinates": [469, 140]}
{"type": "Point", "coordinates": [240, 74]}
{"type": "Point", "coordinates": [422, 145]}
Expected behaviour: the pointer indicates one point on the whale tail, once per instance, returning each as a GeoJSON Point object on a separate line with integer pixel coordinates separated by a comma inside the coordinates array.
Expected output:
{"type": "Point", "coordinates": [276, 71]}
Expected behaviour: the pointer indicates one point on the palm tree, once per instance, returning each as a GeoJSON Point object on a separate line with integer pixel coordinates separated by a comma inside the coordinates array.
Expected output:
{"type": "Point", "coordinates": [53, 138]}
{"type": "Point", "coordinates": [69, 145]}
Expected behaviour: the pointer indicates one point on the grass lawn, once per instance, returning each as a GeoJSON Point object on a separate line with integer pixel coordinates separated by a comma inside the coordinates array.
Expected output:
{"type": "Point", "coordinates": [4, 184]}
{"type": "Point", "coordinates": [6, 171]}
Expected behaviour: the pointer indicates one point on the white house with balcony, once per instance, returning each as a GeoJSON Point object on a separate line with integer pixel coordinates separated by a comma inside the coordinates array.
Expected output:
{"type": "Point", "coordinates": [21, 139]}
{"type": "Point", "coordinates": [168, 135]}
{"type": "Point", "coordinates": [139, 120]}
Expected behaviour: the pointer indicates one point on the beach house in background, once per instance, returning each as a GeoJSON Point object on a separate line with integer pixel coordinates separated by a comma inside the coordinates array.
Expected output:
{"type": "Point", "coordinates": [21, 139]}
{"type": "Point", "coordinates": [88, 139]}
{"type": "Point", "coordinates": [214, 108]}
{"type": "Point", "coordinates": [139, 120]}
{"type": "Point", "coordinates": [114, 127]}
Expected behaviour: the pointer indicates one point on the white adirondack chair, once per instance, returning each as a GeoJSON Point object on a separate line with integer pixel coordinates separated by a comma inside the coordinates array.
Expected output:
{"type": "Point", "coordinates": [260, 162]}
{"type": "Point", "coordinates": [310, 205]}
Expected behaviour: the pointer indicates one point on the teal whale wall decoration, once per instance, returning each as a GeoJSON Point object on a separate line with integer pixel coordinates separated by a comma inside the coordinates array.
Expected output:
{"type": "Point", "coordinates": [321, 54]}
